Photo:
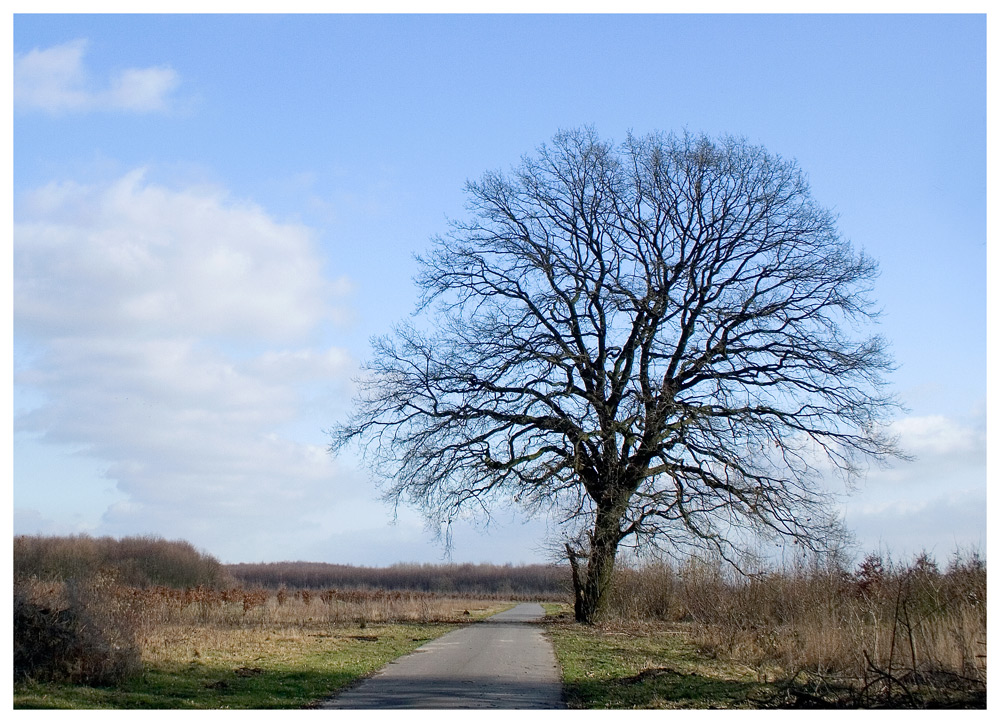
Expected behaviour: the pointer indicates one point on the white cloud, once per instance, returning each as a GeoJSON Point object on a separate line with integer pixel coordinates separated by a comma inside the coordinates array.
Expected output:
{"type": "Point", "coordinates": [142, 90]}
{"type": "Point", "coordinates": [937, 435]}
{"type": "Point", "coordinates": [131, 256]}
{"type": "Point", "coordinates": [176, 337]}
{"type": "Point", "coordinates": [55, 80]}
{"type": "Point", "coordinates": [937, 501]}
{"type": "Point", "coordinates": [303, 364]}
{"type": "Point", "coordinates": [939, 525]}
{"type": "Point", "coordinates": [116, 395]}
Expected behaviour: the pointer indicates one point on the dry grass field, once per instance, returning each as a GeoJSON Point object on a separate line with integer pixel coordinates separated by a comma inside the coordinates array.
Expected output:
{"type": "Point", "coordinates": [95, 628]}
{"type": "Point", "coordinates": [234, 648]}
{"type": "Point", "coordinates": [884, 634]}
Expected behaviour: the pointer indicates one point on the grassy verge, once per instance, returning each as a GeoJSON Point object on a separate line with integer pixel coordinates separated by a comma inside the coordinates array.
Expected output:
{"type": "Point", "coordinates": [645, 666]}
{"type": "Point", "coordinates": [266, 666]}
{"type": "Point", "coordinates": [658, 665]}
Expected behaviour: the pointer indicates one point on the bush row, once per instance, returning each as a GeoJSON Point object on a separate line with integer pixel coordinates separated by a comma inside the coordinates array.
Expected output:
{"type": "Point", "coordinates": [136, 561]}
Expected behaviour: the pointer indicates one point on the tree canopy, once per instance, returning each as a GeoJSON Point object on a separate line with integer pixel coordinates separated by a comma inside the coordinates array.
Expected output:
{"type": "Point", "coordinates": [666, 340]}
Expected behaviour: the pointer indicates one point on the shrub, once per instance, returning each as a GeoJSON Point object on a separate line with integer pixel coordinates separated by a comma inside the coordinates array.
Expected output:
{"type": "Point", "coordinates": [80, 632]}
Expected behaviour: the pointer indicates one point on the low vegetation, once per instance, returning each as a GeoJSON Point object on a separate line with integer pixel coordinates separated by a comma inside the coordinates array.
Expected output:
{"type": "Point", "coordinates": [97, 628]}
{"type": "Point", "coordinates": [87, 636]}
{"type": "Point", "coordinates": [83, 634]}
{"type": "Point", "coordinates": [232, 648]}
{"type": "Point", "coordinates": [203, 666]}
{"type": "Point", "coordinates": [645, 665]}
{"type": "Point", "coordinates": [883, 635]}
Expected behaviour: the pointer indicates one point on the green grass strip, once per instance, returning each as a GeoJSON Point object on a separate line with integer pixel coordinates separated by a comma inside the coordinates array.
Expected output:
{"type": "Point", "coordinates": [651, 667]}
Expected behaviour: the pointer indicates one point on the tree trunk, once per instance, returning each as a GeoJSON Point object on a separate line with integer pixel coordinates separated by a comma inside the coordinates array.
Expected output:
{"type": "Point", "coordinates": [574, 565]}
{"type": "Point", "coordinates": [591, 593]}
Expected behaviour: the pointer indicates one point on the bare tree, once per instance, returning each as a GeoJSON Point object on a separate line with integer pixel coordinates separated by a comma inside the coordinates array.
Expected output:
{"type": "Point", "coordinates": [663, 339]}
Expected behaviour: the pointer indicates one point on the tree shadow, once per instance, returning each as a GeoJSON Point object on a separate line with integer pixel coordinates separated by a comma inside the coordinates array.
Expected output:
{"type": "Point", "coordinates": [666, 687]}
{"type": "Point", "coordinates": [194, 687]}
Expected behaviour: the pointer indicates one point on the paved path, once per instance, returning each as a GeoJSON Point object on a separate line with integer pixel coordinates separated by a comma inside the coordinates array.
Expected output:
{"type": "Point", "coordinates": [501, 662]}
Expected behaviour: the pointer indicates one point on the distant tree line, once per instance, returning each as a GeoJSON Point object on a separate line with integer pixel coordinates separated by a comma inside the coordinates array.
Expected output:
{"type": "Point", "coordinates": [137, 561]}
{"type": "Point", "coordinates": [146, 561]}
{"type": "Point", "coordinates": [482, 579]}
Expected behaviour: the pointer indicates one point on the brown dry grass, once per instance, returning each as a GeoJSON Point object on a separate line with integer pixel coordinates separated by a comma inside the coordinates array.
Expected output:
{"type": "Point", "coordinates": [222, 635]}
{"type": "Point", "coordinates": [155, 607]}
{"type": "Point", "coordinates": [885, 632]}
{"type": "Point", "coordinates": [204, 648]}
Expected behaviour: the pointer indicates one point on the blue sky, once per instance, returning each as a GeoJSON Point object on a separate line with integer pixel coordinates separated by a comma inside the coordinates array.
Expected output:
{"type": "Point", "coordinates": [213, 214]}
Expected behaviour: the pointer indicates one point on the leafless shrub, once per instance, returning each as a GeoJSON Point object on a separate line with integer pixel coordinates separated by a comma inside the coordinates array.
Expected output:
{"type": "Point", "coordinates": [84, 631]}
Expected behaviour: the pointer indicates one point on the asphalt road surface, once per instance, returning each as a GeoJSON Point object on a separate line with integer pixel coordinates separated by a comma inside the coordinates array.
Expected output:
{"type": "Point", "coordinates": [501, 662]}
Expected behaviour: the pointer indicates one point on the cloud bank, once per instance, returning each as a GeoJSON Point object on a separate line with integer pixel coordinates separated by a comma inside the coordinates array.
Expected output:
{"type": "Point", "coordinates": [174, 334]}
{"type": "Point", "coordinates": [55, 80]}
